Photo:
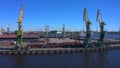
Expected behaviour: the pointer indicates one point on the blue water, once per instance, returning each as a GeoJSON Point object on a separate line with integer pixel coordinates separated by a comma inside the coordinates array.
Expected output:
{"type": "Point", "coordinates": [108, 36]}
{"type": "Point", "coordinates": [102, 59]}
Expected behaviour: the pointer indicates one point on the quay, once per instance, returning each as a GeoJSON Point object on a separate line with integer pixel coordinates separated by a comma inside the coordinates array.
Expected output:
{"type": "Point", "coordinates": [41, 51]}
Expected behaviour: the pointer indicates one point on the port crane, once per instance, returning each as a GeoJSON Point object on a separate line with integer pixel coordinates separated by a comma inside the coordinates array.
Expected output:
{"type": "Point", "coordinates": [87, 39]}
{"type": "Point", "coordinates": [46, 32]}
{"type": "Point", "coordinates": [102, 31]}
{"type": "Point", "coordinates": [8, 28]}
{"type": "Point", "coordinates": [63, 31]}
{"type": "Point", "coordinates": [19, 33]}
{"type": "Point", "coordinates": [119, 35]}
{"type": "Point", "coordinates": [2, 29]}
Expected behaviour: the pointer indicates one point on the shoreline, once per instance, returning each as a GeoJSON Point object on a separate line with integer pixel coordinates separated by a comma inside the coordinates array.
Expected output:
{"type": "Point", "coordinates": [56, 50]}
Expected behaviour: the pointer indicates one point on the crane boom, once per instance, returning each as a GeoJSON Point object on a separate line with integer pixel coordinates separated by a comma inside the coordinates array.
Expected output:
{"type": "Point", "coordinates": [21, 14]}
{"type": "Point", "coordinates": [85, 17]}
{"type": "Point", "coordinates": [87, 22]}
{"type": "Point", "coordinates": [99, 19]}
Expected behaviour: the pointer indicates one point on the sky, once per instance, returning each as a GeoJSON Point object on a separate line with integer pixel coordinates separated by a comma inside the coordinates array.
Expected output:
{"type": "Point", "coordinates": [54, 13]}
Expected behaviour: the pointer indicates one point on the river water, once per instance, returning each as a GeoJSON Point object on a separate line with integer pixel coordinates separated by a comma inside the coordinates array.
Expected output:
{"type": "Point", "coordinates": [108, 36]}
{"type": "Point", "coordinates": [99, 59]}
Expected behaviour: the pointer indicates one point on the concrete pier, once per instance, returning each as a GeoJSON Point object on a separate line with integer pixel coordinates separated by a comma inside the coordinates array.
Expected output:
{"type": "Point", "coordinates": [57, 50]}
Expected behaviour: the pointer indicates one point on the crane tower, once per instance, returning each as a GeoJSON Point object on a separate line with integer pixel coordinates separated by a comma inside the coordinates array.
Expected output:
{"type": "Point", "coordinates": [19, 32]}
{"type": "Point", "coordinates": [63, 31]}
{"type": "Point", "coordinates": [102, 31]}
{"type": "Point", "coordinates": [87, 40]}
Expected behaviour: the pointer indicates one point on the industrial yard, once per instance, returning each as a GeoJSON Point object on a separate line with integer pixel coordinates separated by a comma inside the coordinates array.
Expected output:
{"type": "Point", "coordinates": [20, 40]}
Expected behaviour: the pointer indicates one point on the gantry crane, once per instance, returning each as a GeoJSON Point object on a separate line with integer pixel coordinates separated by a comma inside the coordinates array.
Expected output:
{"type": "Point", "coordinates": [102, 31]}
{"type": "Point", "coordinates": [88, 32]}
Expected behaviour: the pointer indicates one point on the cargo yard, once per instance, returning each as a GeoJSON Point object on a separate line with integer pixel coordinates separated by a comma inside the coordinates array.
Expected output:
{"type": "Point", "coordinates": [33, 40]}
